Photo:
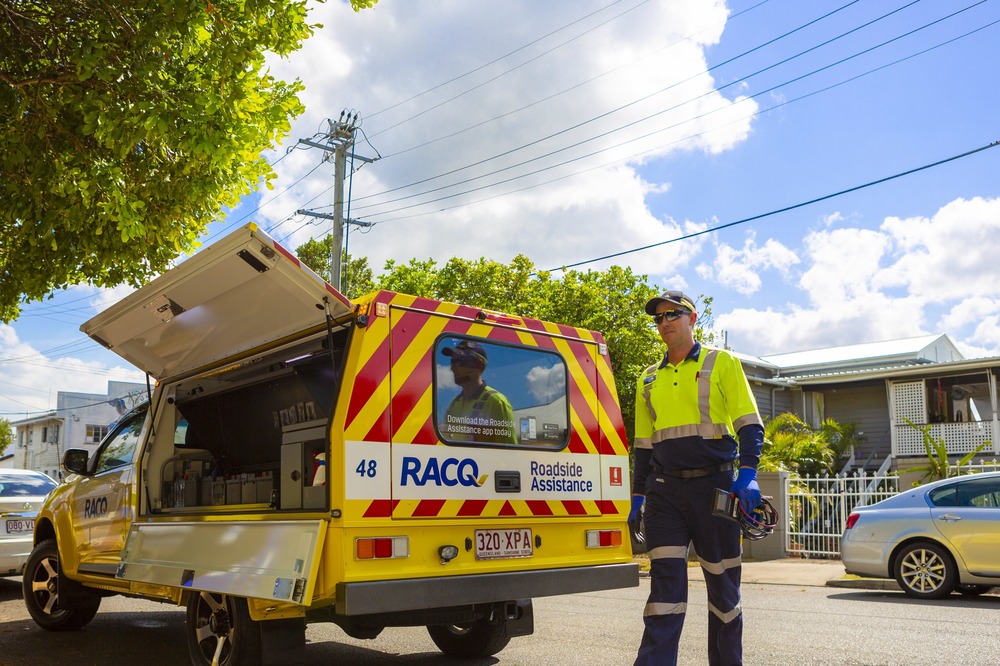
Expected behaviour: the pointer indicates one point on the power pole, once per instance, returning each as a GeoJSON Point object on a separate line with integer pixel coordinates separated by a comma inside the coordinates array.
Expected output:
{"type": "Point", "coordinates": [339, 144]}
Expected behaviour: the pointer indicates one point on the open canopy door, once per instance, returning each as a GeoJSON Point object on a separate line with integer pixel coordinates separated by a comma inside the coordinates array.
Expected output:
{"type": "Point", "coordinates": [237, 294]}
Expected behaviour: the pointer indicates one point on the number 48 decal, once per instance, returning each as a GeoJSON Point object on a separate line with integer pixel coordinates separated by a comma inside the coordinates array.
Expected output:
{"type": "Point", "coordinates": [367, 468]}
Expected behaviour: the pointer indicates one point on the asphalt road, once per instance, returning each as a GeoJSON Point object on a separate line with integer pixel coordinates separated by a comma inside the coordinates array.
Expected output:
{"type": "Point", "coordinates": [785, 624]}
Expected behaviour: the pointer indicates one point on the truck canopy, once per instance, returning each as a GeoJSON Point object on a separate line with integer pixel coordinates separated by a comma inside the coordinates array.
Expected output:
{"type": "Point", "coordinates": [238, 294]}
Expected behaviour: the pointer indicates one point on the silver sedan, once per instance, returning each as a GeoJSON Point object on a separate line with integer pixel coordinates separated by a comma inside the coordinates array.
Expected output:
{"type": "Point", "coordinates": [935, 539]}
{"type": "Point", "coordinates": [21, 494]}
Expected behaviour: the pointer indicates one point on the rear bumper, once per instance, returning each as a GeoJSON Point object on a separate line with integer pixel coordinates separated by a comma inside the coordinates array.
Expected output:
{"type": "Point", "coordinates": [422, 593]}
{"type": "Point", "coordinates": [14, 553]}
{"type": "Point", "coordinates": [865, 558]}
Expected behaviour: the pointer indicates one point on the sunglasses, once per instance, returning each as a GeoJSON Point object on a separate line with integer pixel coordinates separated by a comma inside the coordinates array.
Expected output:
{"type": "Point", "coordinates": [670, 315]}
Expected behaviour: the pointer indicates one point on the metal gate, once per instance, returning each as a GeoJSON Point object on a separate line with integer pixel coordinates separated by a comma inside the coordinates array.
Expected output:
{"type": "Point", "coordinates": [819, 508]}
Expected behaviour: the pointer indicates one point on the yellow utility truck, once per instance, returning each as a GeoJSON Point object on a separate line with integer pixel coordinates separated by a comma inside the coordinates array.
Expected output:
{"type": "Point", "coordinates": [392, 461]}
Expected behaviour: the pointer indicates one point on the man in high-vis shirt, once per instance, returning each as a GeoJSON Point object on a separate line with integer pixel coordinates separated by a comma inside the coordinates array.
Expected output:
{"type": "Point", "coordinates": [695, 421]}
{"type": "Point", "coordinates": [480, 413]}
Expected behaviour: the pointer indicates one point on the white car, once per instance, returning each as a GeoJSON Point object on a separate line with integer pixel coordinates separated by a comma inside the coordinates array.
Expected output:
{"type": "Point", "coordinates": [21, 495]}
{"type": "Point", "coordinates": [934, 539]}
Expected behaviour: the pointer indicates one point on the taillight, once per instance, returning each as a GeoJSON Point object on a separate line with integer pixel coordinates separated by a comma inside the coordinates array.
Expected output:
{"type": "Point", "coordinates": [604, 538]}
{"type": "Point", "coordinates": [852, 520]}
{"type": "Point", "coordinates": [381, 548]}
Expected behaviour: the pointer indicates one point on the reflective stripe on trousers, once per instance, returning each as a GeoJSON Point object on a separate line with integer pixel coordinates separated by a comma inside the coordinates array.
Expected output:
{"type": "Point", "coordinates": [678, 514]}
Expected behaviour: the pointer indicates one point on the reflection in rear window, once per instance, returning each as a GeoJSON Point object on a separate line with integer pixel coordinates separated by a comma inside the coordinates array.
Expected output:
{"type": "Point", "coordinates": [24, 486]}
{"type": "Point", "coordinates": [499, 394]}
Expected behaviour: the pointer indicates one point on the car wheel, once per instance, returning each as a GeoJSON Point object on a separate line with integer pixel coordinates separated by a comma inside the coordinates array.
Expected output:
{"type": "Point", "coordinates": [40, 586]}
{"type": "Point", "coordinates": [220, 632]}
{"type": "Point", "coordinates": [971, 590]}
{"type": "Point", "coordinates": [925, 571]}
{"type": "Point", "coordinates": [472, 640]}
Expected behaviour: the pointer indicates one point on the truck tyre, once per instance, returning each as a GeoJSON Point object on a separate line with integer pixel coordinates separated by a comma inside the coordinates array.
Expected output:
{"type": "Point", "coordinates": [220, 632]}
{"type": "Point", "coordinates": [473, 640]}
{"type": "Point", "coordinates": [40, 585]}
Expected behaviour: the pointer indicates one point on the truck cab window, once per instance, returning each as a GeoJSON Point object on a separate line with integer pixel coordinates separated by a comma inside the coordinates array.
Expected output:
{"type": "Point", "coordinates": [119, 449]}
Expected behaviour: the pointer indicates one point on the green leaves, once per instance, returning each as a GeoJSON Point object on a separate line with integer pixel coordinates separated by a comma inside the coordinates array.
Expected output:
{"type": "Point", "coordinates": [611, 302]}
{"type": "Point", "coordinates": [5, 435]}
{"type": "Point", "coordinates": [126, 128]}
{"type": "Point", "coordinates": [791, 444]}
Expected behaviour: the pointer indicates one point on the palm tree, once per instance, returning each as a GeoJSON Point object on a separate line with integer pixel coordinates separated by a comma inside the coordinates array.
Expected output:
{"type": "Point", "coordinates": [791, 444]}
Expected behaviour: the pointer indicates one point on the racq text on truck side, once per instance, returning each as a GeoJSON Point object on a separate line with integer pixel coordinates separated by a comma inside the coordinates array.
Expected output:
{"type": "Point", "coordinates": [308, 459]}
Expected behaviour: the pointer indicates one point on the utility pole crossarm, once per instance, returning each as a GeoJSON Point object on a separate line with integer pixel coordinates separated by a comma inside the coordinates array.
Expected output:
{"type": "Point", "coordinates": [328, 216]}
{"type": "Point", "coordinates": [339, 141]}
{"type": "Point", "coordinates": [329, 148]}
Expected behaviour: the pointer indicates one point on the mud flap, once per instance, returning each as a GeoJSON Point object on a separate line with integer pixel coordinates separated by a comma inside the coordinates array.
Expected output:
{"type": "Point", "coordinates": [520, 618]}
{"type": "Point", "coordinates": [73, 595]}
{"type": "Point", "coordinates": [283, 641]}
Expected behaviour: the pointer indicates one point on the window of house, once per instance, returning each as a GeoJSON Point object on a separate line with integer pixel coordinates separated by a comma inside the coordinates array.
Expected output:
{"type": "Point", "coordinates": [489, 393]}
{"type": "Point", "coordinates": [95, 433]}
{"type": "Point", "coordinates": [959, 399]}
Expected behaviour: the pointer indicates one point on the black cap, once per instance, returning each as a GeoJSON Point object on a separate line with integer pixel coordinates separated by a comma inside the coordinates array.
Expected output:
{"type": "Point", "coordinates": [468, 353]}
{"type": "Point", "coordinates": [678, 298]}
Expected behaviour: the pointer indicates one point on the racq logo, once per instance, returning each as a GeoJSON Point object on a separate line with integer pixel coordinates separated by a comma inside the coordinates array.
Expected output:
{"type": "Point", "coordinates": [95, 508]}
{"type": "Point", "coordinates": [447, 472]}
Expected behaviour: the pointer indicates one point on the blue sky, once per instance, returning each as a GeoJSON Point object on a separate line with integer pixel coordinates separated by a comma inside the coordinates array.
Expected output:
{"type": "Point", "coordinates": [570, 130]}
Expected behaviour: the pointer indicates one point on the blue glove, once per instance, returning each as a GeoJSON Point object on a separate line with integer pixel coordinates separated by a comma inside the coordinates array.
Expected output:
{"type": "Point", "coordinates": [635, 515]}
{"type": "Point", "coordinates": [746, 489]}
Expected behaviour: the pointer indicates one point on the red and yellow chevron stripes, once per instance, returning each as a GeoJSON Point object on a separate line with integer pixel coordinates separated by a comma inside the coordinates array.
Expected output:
{"type": "Point", "coordinates": [388, 393]}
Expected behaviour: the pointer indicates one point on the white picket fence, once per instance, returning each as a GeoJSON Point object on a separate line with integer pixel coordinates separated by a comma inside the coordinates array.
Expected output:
{"type": "Point", "coordinates": [819, 506]}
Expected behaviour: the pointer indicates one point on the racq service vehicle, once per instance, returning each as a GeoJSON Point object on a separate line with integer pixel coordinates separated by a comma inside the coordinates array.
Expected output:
{"type": "Point", "coordinates": [300, 461]}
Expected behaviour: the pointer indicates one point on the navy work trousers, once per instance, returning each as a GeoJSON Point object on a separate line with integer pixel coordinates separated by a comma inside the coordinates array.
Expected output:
{"type": "Point", "coordinates": [678, 514]}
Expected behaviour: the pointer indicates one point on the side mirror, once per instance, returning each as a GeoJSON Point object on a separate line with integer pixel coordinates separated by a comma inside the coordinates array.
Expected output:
{"type": "Point", "coordinates": [75, 460]}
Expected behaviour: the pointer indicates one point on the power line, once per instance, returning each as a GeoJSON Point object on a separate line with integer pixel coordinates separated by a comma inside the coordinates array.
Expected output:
{"type": "Point", "coordinates": [640, 120]}
{"type": "Point", "coordinates": [633, 103]}
{"type": "Point", "coordinates": [572, 87]}
{"type": "Point", "coordinates": [107, 401]}
{"type": "Point", "coordinates": [785, 209]}
{"type": "Point", "coordinates": [758, 47]}
{"type": "Point", "coordinates": [493, 62]}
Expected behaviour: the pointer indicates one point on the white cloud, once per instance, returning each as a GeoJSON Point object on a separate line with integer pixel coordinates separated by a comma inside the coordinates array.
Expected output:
{"type": "Point", "coordinates": [546, 384]}
{"type": "Point", "coordinates": [445, 378]}
{"type": "Point", "coordinates": [832, 218]}
{"type": "Point", "coordinates": [842, 264]}
{"type": "Point", "coordinates": [948, 256]}
{"type": "Point", "coordinates": [30, 379]}
{"type": "Point", "coordinates": [105, 298]}
{"type": "Point", "coordinates": [600, 99]}
{"type": "Point", "coordinates": [868, 285]}
{"type": "Point", "coordinates": [739, 269]}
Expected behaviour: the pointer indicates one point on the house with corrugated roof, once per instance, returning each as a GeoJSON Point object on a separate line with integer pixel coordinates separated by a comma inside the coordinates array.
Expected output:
{"type": "Point", "coordinates": [880, 386]}
{"type": "Point", "coordinates": [79, 420]}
